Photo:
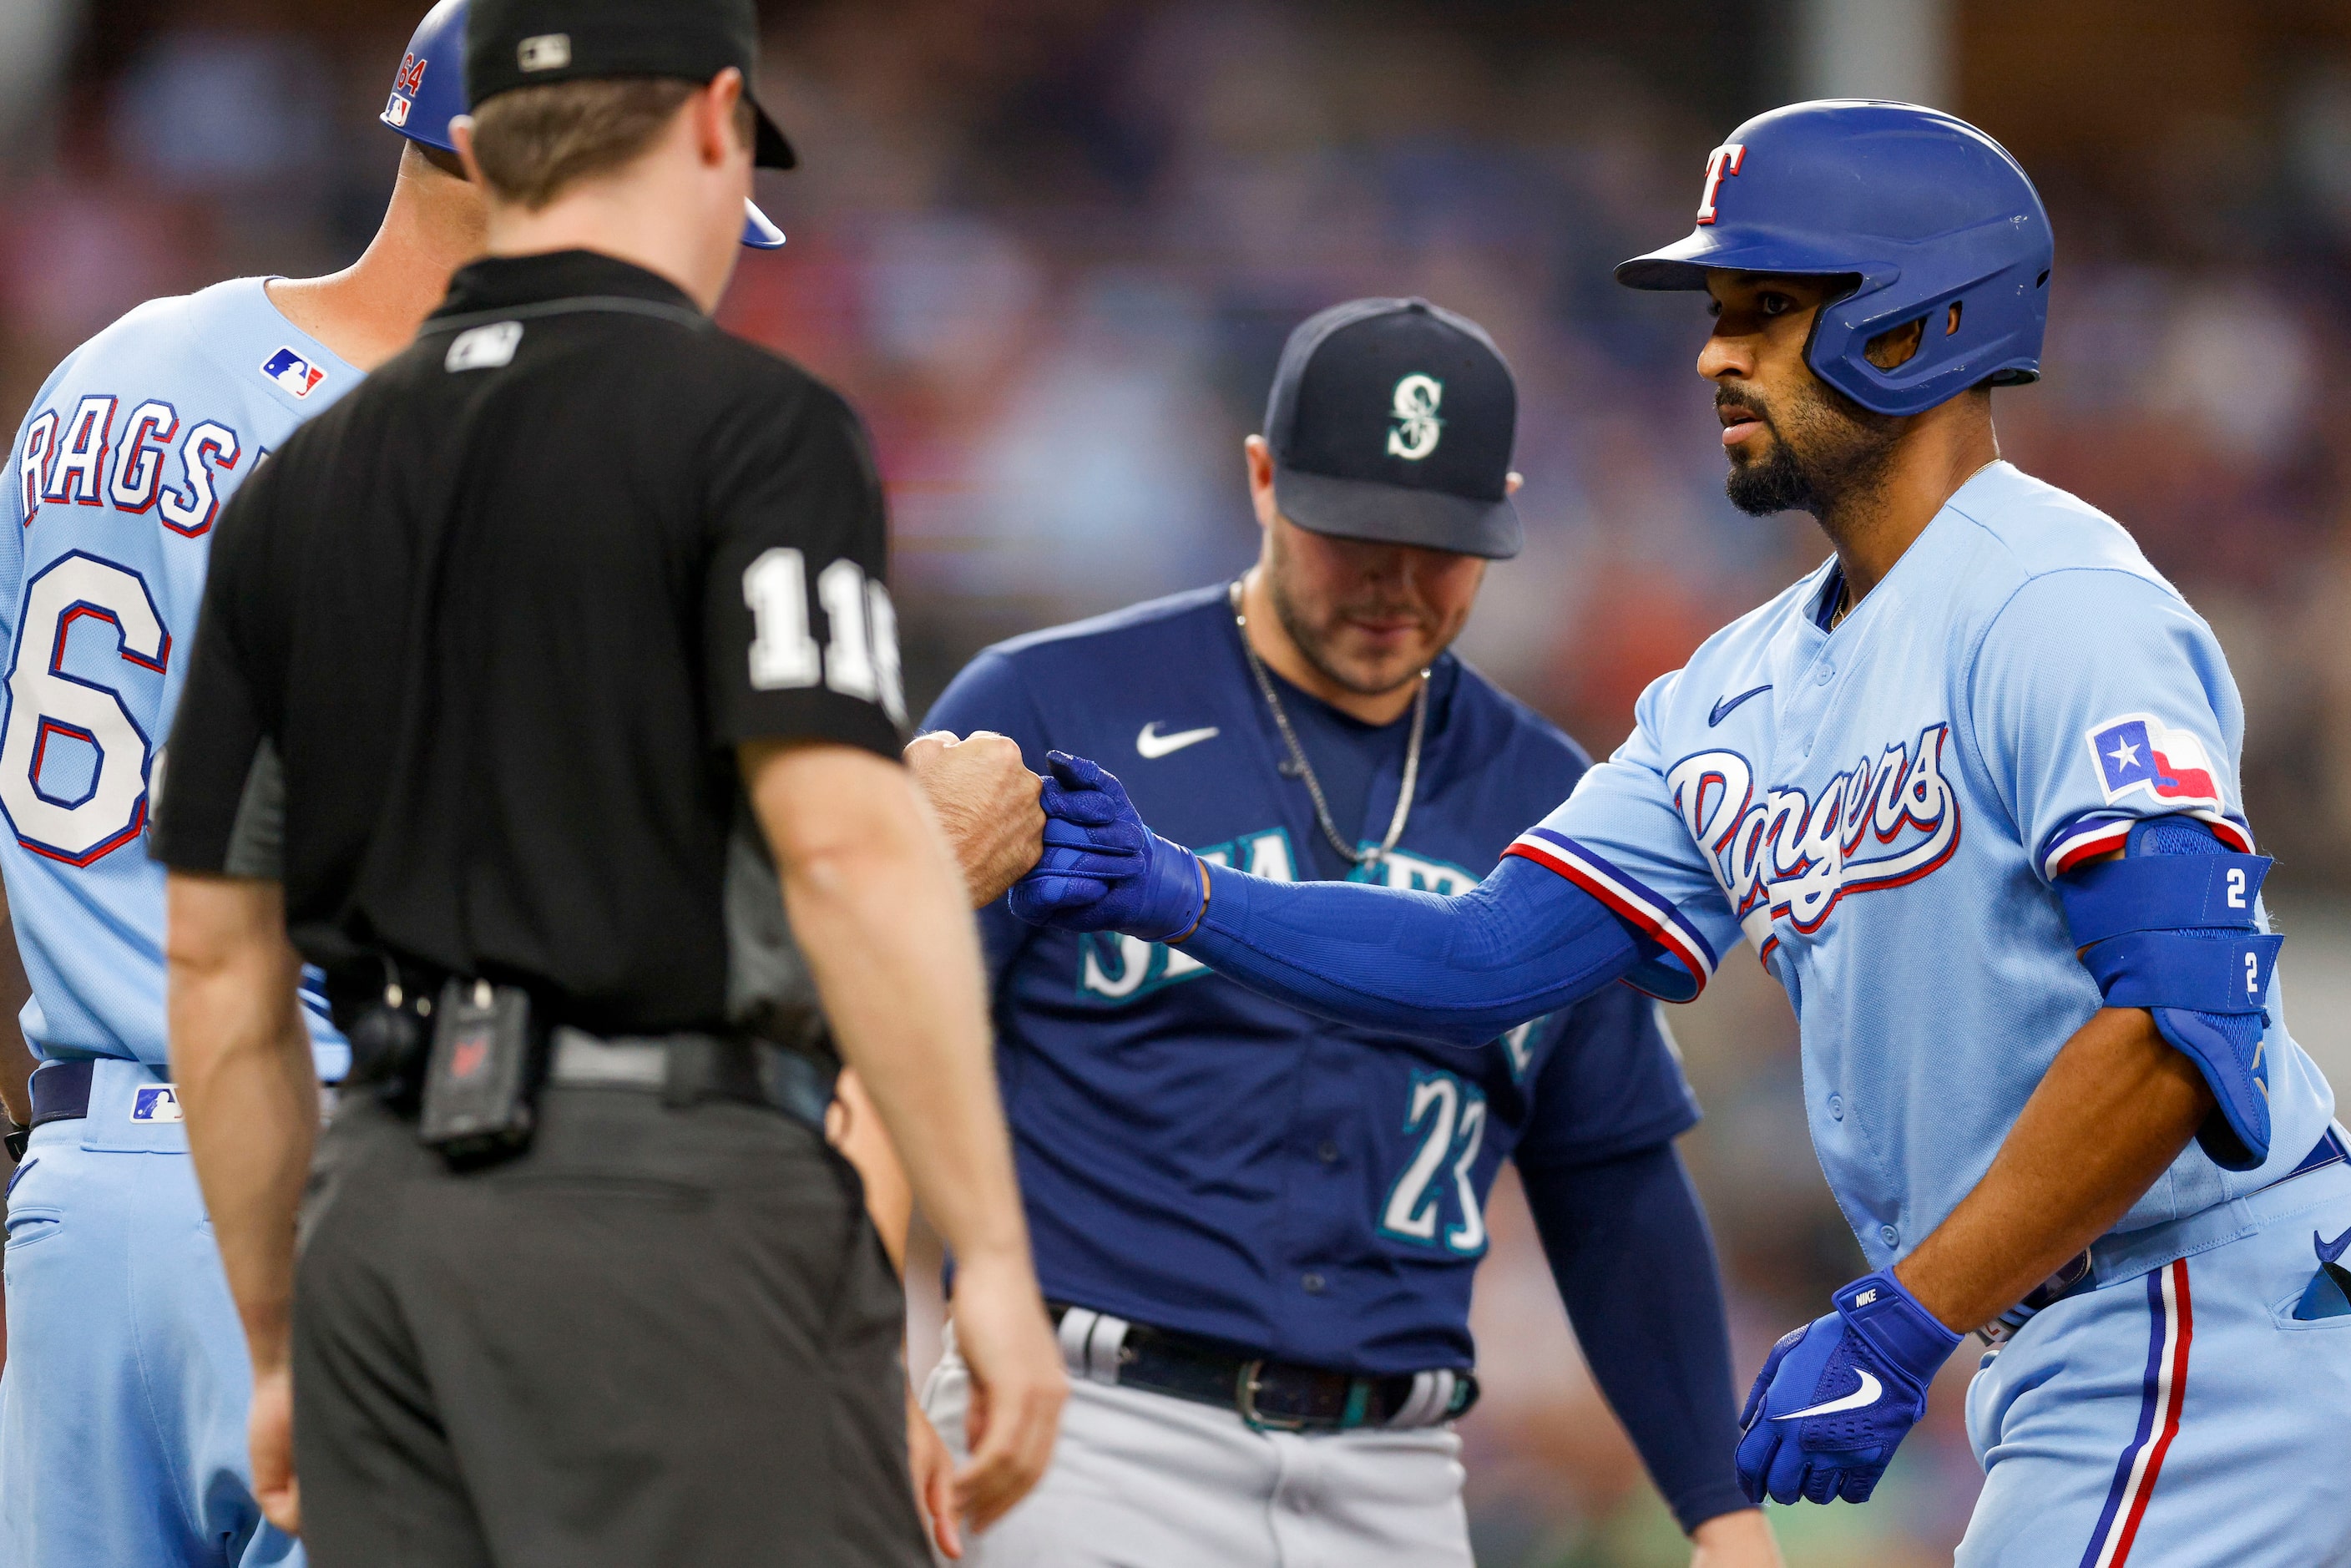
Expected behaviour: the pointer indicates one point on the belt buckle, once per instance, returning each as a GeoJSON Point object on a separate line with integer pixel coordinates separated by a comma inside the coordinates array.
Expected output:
{"type": "Point", "coordinates": [1245, 1389]}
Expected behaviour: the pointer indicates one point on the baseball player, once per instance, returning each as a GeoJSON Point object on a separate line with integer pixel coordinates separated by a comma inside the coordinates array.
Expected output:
{"type": "Point", "coordinates": [122, 1410]}
{"type": "Point", "coordinates": [1258, 1231]}
{"type": "Point", "coordinates": [1969, 789]}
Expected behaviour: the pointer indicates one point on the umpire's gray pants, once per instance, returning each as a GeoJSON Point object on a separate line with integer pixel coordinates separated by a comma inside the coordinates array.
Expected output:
{"type": "Point", "coordinates": [1145, 1480]}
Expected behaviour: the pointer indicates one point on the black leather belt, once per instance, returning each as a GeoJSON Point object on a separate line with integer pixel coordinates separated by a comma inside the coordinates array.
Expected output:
{"type": "Point", "coordinates": [683, 1069]}
{"type": "Point", "coordinates": [686, 1068]}
{"type": "Point", "coordinates": [1269, 1394]}
{"type": "Point", "coordinates": [389, 1045]}
{"type": "Point", "coordinates": [61, 1090]}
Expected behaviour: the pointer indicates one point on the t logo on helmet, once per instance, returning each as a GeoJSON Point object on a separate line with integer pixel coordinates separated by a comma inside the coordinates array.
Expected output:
{"type": "Point", "coordinates": [1720, 164]}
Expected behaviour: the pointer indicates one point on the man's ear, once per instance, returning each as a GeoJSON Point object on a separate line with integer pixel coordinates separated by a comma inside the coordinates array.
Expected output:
{"type": "Point", "coordinates": [461, 131]}
{"type": "Point", "coordinates": [714, 116]}
{"type": "Point", "coordinates": [1258, 458]}
{"type": "Point", "coordinates": [1897, 346]}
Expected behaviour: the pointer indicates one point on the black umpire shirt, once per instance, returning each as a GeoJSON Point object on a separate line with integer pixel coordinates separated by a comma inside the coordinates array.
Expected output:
{"type": "Point", "coordinates": [479, 642]}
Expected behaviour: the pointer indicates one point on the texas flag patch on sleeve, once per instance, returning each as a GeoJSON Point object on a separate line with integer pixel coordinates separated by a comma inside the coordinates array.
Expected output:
{"type": "Point", "coordinates": [2137, 755]}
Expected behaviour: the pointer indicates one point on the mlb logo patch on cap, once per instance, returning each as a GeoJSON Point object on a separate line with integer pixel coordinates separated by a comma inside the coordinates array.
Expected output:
{"type": "Point", "coordinates": [292, 371]}
{"type": "Point", "coordinates": [546, 52]}
{"type": "Point", "coordinates": [156, 1103]}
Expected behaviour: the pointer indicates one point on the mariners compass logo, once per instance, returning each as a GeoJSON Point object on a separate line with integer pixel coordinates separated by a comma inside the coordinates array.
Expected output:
{"type": "Point", "coordinates": [1416, 428]}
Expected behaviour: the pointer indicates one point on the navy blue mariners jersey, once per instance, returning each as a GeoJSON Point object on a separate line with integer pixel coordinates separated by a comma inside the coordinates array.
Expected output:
{"type": "Point", "coordinates": [1198, 1157]}
{"type": "Point", "coordinates": [119, 470]}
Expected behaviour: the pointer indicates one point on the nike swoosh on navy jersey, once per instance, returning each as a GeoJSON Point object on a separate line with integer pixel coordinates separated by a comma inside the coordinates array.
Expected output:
{"type": "Point", "coordinates": [1865, 1395]}
{"type": "Point", "coordinates": [1153, 745]}
{"type": "Point", "coordinates": [1723, 705]}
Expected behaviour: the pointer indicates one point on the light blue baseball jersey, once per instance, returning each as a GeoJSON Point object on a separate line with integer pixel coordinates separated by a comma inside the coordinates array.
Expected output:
{"type": "Point", "coordinates": [120, 472]}
{"type": "Point", "coordinates": [1879, 811]}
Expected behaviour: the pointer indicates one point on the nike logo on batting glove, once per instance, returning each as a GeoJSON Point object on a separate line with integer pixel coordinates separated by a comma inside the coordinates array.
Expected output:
{"type": "Point", "coordinates": [1837, 1396]}
{"type": "Point", "coordinates": [1860, 1398]}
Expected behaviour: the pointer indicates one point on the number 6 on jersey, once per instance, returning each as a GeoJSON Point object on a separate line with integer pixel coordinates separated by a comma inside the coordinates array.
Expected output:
{"type": "Point", "coordinates": [109, 808]}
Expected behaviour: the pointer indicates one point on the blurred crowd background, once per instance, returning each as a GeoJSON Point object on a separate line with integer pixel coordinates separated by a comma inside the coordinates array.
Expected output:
{"type": "Point", "coordinates": [1052, 249]}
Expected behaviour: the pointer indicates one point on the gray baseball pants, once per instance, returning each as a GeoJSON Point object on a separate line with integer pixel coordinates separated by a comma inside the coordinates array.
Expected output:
{"type": "Point", "coordinates": [1146, 1480]}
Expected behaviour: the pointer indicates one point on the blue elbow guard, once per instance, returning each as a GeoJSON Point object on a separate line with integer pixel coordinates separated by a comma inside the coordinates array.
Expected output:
{"type": "Point", "coordinates": [2171, 928]}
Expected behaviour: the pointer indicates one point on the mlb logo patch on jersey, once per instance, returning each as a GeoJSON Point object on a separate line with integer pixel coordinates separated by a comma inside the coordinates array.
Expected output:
{"type": "Point", "coordinates": [292, 371]}
{"type": "Point", "coordinates": [156, 1103]}
{"type": "Point", "coordinates": [2137, 755]}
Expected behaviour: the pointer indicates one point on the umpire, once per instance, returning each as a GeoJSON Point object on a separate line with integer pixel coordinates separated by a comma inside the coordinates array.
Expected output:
{"type": "Point", "coordinates": [547, 698]}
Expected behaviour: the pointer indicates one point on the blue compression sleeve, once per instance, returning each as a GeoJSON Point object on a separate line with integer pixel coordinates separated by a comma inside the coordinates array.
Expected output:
{"type": "Point", "coordinates": [1628, 1245]}
{"type": "Point", "coordinates": [1461, 969]}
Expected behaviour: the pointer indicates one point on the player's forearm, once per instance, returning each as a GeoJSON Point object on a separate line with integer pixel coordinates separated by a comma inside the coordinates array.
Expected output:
{"type": "Point", "coordinates": [1461, 969]}
{"type": "Point", "coordinates": [242, 1067]}
{"type": "Point", "coordinates": [2114, 1111]}
{"type": "Point", "coordinates": [878, 909]}
{"type": "Point", "coordinates": [1628, 1245]}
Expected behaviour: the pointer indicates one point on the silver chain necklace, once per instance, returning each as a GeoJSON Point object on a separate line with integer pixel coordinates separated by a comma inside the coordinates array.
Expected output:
{"type": "Point", "coordinates": [1360, 858]}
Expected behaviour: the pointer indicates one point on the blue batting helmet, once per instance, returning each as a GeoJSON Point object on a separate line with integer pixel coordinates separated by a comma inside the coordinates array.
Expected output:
{"type": "Point", "coordinates": [1935, 218]}
{"type": "Point", "coordinates": [430, 91]}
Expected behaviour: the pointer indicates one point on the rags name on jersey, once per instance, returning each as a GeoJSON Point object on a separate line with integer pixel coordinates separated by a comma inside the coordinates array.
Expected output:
{"type": "Point", "coordinates": [82, 456]}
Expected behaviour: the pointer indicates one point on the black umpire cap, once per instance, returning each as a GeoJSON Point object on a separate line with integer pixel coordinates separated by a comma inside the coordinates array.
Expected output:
{"type": "Point", "coordinates": [1391, 419]}
{"type": "Point", "coordinates": [512, 44]}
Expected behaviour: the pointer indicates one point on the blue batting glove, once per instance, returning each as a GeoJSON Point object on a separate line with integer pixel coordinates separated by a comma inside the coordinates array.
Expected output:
{"type": "Point", "coordinates": [1102, 869]}
{"type": "Point", "coordinates": [1837, 1396]}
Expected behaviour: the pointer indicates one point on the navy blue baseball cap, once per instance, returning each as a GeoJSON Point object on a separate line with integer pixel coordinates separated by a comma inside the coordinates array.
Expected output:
{"type": "Point", "coordinates": [1392, 421]}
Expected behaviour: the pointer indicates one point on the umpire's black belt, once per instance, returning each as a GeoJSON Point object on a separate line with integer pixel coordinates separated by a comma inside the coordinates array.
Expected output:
{"type": "Point", "coordinates": [686, 1068]}
{"type": "Point", "coordinates": [1271, 1396]}
{"type": "Point", "coordinates": [389, 1046]}
{"type": "Point", "coordinates": [683, 1069]}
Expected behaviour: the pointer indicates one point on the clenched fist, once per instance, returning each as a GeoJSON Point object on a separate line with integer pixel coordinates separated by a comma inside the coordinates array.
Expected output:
{"type": "Point", "coordinates": [986, 799]}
